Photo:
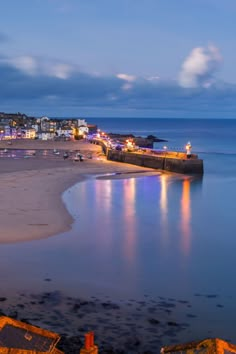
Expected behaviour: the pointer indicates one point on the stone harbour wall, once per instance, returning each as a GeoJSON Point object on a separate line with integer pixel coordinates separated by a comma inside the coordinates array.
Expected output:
{"type": "Point", "coordinates": [178, 164]}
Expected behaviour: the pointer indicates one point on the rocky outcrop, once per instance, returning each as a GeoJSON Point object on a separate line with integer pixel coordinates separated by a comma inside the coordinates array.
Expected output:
{"type": "Point", "coordinates": [139, 141]}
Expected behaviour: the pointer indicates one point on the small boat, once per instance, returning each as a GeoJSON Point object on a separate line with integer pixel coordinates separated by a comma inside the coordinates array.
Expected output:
{"type": "Point", "coordinates": [5, 150]}
{"type": "Point", "coordinates": [57, 153]}
{"type": "Point", "coordinates": [79, 157]}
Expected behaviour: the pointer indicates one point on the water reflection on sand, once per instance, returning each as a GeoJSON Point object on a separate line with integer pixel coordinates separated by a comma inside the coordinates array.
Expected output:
{"type": "Point", "coordinates": [131, 237]}
{"type": "Point", "coordinates": [124, 229]}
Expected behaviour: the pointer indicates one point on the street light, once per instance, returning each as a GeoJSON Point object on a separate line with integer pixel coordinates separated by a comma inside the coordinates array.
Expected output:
{"type": "Point", "coordinates": [165, 149]}
{"type": "Point", "coordinates": [188, 148]}
{"type": "Point", "coordinates": [130, 145]}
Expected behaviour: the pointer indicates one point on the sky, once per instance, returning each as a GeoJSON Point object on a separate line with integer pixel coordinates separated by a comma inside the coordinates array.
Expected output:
{"type": "Point", "coordinates": [118, 58]}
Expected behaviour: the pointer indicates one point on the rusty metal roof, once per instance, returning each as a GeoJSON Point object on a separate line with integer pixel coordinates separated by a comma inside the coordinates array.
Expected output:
{"type": "Point", "coordinates": [27, 338]}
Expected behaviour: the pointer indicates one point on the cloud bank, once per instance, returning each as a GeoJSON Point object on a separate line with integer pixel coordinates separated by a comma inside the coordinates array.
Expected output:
{"type": "Point", "coordinates": [39, 86]}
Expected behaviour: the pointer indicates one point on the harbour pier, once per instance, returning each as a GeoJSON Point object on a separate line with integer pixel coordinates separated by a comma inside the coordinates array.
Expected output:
{"type": "Point", "coordinates": [171, 161]}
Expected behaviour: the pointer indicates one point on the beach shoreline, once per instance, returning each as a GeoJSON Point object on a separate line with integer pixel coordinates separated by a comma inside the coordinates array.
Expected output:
{"type": "Point", "coordinates": [31, 189]}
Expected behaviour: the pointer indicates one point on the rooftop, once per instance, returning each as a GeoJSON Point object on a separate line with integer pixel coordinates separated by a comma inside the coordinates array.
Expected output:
{"type": "Point", "coordinates": [210, 345]}
{"type": "Point", "coordinates": [22, 336]}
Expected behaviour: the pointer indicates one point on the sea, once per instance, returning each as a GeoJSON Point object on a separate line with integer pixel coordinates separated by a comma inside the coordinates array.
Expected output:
{"type": "Point", "coordinates": [165, 236]}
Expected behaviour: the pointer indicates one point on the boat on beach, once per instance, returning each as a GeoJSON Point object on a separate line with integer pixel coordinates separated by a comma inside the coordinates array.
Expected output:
{"type": "Point", "coordinates": [56, 152]}
{"type": "Point", "coordinates": [78, 157]}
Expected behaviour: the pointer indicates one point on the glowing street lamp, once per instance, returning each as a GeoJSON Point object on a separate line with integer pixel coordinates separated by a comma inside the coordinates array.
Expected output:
{"type": "Point", "coordinates": [129, 144]}
{"type": "Point", "coordinates": [188, 148]}
{"type": "Point", "coordinates": [165, 149]}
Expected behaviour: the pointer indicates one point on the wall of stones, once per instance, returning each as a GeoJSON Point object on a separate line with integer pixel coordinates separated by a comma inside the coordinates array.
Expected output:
{"type": "Point", "coordinates": [178, 164]}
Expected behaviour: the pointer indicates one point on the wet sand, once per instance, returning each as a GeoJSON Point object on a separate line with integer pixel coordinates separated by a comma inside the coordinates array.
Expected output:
{"type": "Point", "coordinates": [48, 144]}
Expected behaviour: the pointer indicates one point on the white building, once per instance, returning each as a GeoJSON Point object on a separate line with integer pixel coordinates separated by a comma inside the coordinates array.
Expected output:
{"type": "Point", "coordinates": [46, 135]}
{"type": "Point", "coordinates": [83, 130]}
{"type": "Point", "coordinates": [67, 132]}
{"type": "Point", "coordinates": [83, 127]}
{"type": "Point", "coordinates": [36, 127]}
{"type": "Point", "coordinates": [81, 122]}
{"type": "Point", "coordinates": [30, 133]}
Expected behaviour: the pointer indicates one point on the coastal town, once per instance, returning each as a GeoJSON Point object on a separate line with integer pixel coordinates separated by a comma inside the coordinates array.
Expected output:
{"type": "Point", "coordinates": [17, 128]}
{"type": "Point", "coordinates": [21, 126]}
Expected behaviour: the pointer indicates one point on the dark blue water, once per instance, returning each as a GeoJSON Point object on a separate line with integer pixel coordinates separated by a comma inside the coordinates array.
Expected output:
{"type": "Point", "coordinates": [164, 235]}
{"type": "Point", "coordinates": [206, 135]}
{"type": "Point", "coordinates": [213, 139]}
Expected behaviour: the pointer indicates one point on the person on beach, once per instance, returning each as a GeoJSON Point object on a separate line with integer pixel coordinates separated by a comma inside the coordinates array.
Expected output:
{"type": "Point", "coordinates": [188, 150]}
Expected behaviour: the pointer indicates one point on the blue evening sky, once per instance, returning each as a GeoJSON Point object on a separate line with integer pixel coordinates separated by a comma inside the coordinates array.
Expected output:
{"type": "Point", "coordinates": [110, 58]}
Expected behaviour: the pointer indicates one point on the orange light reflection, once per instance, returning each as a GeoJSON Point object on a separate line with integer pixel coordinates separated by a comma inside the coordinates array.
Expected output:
{"type": "Point", "coordinates": [103, 197]}
{"type": "Point", "coordinates": [164, 209]}
{"type": "Point", "coordinates": [129, 218]}
{"type": "Point", "coordinates": [186, 216]}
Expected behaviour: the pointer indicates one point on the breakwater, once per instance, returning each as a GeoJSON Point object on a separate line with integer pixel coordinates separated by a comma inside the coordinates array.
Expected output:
{"type": "Point", "coordinates": [168, 161]}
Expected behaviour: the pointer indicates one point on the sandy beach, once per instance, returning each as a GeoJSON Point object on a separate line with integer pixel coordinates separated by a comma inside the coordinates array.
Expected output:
{"type": "Point", "coordinates": [30, 190]}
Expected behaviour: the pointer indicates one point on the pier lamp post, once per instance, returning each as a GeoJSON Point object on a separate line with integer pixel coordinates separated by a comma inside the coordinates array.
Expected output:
{"type": "Point", "coordinates": [98, 134]}
{"type": "Point", "coordinates": [188, 148]}
{"type": "Point", "coordinates": [165, 149]}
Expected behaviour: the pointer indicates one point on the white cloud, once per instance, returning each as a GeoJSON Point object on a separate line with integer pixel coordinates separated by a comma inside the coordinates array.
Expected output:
{"type": "Point", "coordinates": [126, 77]}
{"type": "Point", "coordinates": [199, 67]}
{"type": "Point", "coordinates": [33, 66]}
{"type": "Point", "coordinates": [27, 64]}
{"type": "Point", "coordinates": [129, 80]}
{"type": "Point", "coordinates": [61, 71]}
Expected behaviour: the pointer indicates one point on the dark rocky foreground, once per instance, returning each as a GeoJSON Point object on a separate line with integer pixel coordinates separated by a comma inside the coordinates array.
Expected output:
{"type": "Point", "coordinates": [130, 326]}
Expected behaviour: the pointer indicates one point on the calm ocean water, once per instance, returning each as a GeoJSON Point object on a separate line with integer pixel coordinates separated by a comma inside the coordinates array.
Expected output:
{"type": "Point", "coordinates": [164, 235]}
